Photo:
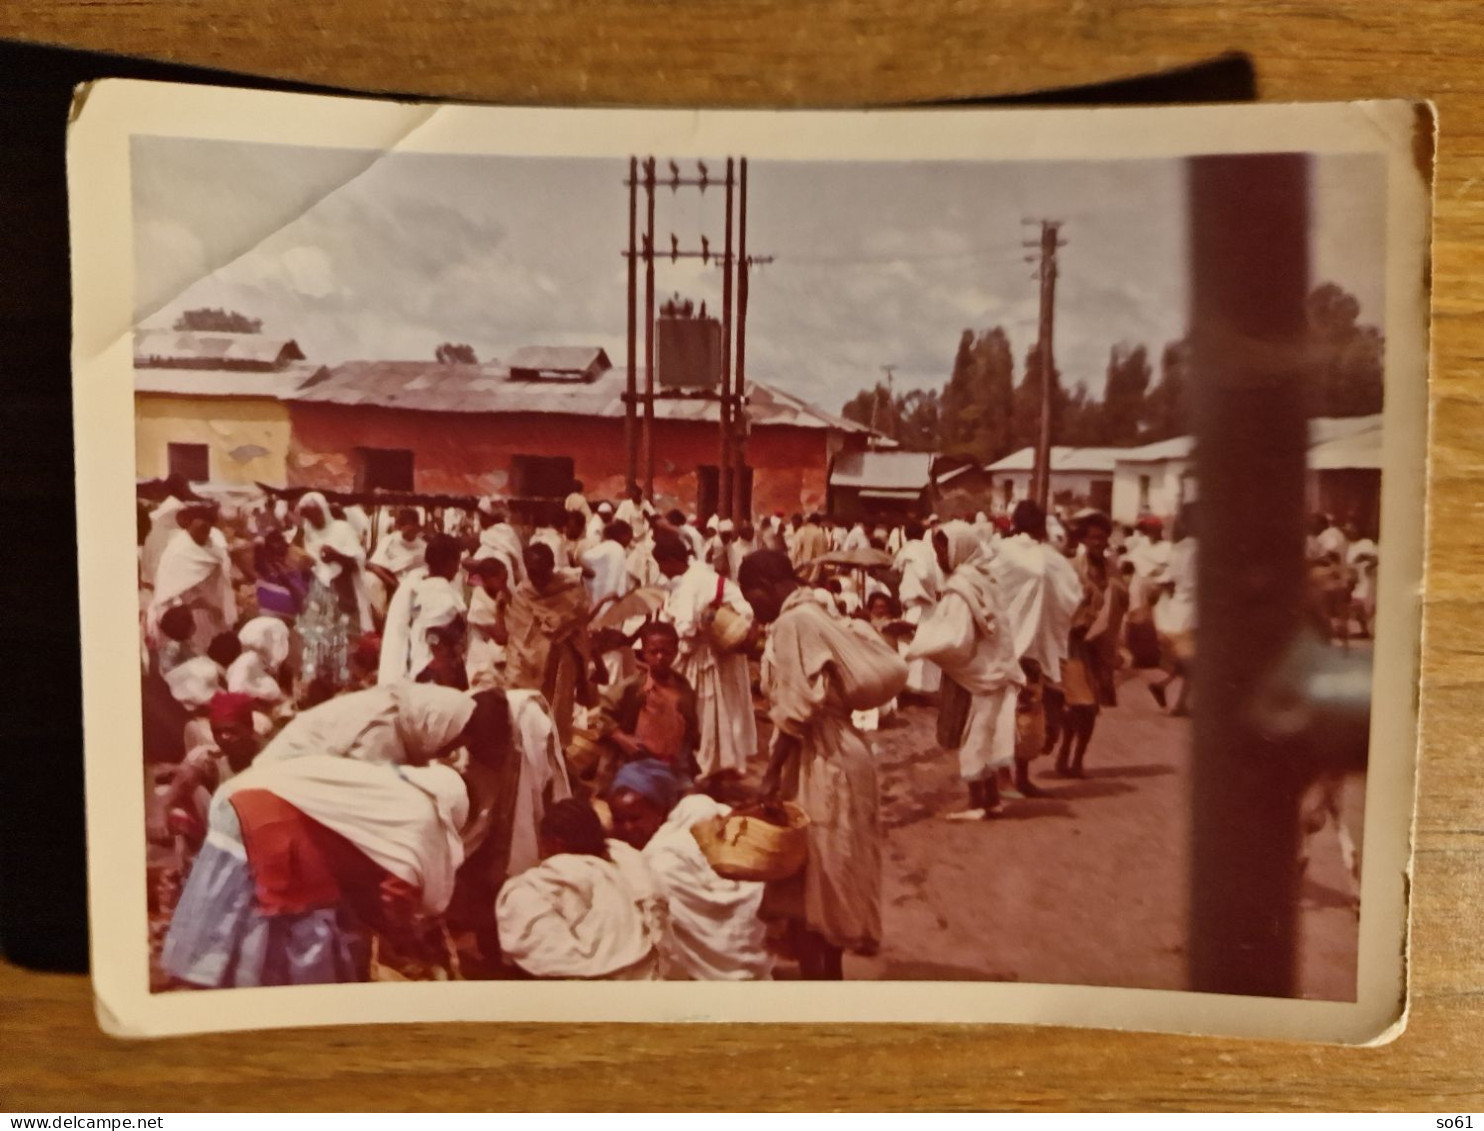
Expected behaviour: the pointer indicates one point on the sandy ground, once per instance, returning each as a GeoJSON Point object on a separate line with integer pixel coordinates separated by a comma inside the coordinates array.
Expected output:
{"type": "Point", "coordinates": [1086, 887]}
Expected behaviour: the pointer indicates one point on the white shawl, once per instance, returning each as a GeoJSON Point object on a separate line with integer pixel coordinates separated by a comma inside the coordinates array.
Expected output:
{"type": "Point", "coordinates": [574, 917]}
{"type": "Point", "coordinates": [340, 536]}
{"type": "Point", "coordinates": [1039, 591]}
{"type": "Point", "coordinates": [405, 818]}
{"type": "Point", "coordinates": [421, 604]}
{"type": "Point", "coordinates": [398, 556]}
{"type": "Point", "coordinates": [189, 573]}
{"type": "Point", "coordinates": [714, 933]}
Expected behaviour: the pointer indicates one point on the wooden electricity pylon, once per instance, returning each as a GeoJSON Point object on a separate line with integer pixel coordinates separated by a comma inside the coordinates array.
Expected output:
{"type": "Point", "coordinates": [1048, 243]}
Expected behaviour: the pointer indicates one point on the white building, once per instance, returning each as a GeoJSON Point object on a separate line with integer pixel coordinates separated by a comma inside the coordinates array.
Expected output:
{"type": "Point", "coordinates": [1155, 479]}
{"type": "Point", "coordinates": [1085, 475]}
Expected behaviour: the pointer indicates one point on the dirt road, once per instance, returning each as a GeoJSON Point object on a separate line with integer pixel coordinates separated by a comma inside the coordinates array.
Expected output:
{"type": "Point", "coordinates": [1085, 887]}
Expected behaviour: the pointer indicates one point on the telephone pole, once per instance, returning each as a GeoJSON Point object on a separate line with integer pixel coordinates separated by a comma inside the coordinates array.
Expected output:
{"type": "Point", "coordinates": [731, 391]}
{"type": "Point", "coordinates": [1049, 242]}
{"type": "Point", "coordinates": [631, 383]}
{"type": "Point", "coordinates": [648, 459]}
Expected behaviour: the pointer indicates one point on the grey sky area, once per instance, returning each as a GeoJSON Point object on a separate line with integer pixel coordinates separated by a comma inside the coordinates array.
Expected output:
{"type": "Point", "coordinates": [360, 255]}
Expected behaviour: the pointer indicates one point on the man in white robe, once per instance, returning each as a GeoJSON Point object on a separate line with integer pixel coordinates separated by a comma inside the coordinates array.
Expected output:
{"type": "Point", "coordinates": [722, 682]}
{"type": "Point", "coordinates": [404, 549]}
{"type": "Point", "coordinates": [857, 539]}
{"type": "Point", "coordinates": [638, 512]}
{"type": "Point", "coordinates": [922, 579]}
{"type": "Point", "coordinates": [428, 599]}
{"type": "Point", "coordinates": [1040, 591]}
{"type": "Point", "coordinates": [498, 539]}
{"type": "Point", "coordinates": [195, 570]}
{"type": "Point", "coordinates": [606, 575]}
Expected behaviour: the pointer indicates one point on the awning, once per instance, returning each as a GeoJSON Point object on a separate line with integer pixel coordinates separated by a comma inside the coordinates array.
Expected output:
{"type": "Point", "coordinates": [889, 493]}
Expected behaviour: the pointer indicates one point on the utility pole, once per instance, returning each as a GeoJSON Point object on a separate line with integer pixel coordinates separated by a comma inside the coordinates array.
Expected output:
{"type": "Point", "coordinates": [1049, 242]}
{"type": "Point", "coordinates": [631, 385]}
{"type": "Point", "coordinates": [724, 469]}
{"type": "Point", "coordinates": [740, 494]}
{"type": "Point", "coordinates": [649, 332]}
{"type": "Point", "coordinates": [731, 394]}
{"type": "Point", "coordinates": [890, 371]}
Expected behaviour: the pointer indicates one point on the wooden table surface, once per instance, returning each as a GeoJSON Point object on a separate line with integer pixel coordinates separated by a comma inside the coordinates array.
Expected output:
{"type": "Point", "coordinates": [770, 52]}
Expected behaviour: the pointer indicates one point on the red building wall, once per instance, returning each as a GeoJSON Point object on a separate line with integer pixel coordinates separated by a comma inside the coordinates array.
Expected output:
{"type": "Point", "coordinates": [469, 454]}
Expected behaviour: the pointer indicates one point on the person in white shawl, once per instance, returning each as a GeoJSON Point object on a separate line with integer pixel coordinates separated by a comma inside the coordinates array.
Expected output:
{"type": "Point", "coordinates": [857, 539]}
{"type": "Point", "coordinates": [404, 549]}
{"type": "Point", "coordinates": [265, 649]}
{"type": "Point", "coordinates": [1041, 591]}
{"type": "Point", "coordinates": [358, 766]}
{"type": "Point", "coordinates": [637, 511]}
{"type": "Point", "coordinates": [195, 570]}
{"type": "Point", "coordinates": [498, 539]}
{"type": "Point", "coordinates": [605, 570]}
{"type": "Point", "coordinates": [970, 637]}
{"type": "Point", "coordinates": [917, 563]}
{"type": "Point", "coordinates": [427, 599]}
{"type": "Point", "coordinates": [722, 682]}
{"type": "Point", "coordinates": [823, 764]}
{"type": "Point", "coordinates": [588, 911]}
{"type": "Point", "coordinates": [337, 609]}
{"type": "Point", "coordinates": [713, 931]}
{"type": "Point", "coordinates": [163, 526]}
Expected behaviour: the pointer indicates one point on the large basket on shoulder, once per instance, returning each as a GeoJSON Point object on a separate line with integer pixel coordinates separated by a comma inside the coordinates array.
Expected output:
{"type": "Point", "coordinates": [744, 845]}
{"type": "Point", "coordinates": [727, 630]}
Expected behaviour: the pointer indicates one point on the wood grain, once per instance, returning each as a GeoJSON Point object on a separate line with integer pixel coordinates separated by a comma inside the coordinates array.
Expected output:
{"type": "Point", "coordinates": [729, 52]}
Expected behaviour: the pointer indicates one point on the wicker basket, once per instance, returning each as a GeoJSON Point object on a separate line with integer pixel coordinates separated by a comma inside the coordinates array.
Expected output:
{"type": "Point", "coordinates": [728, 630]}
{"type": "Point", "coordinates": [583, 751]}
{"type": "Point", "coordinates": [745, 846]}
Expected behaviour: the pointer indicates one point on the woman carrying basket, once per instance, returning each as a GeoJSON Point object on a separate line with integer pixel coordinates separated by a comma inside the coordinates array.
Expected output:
{"type": "Point", "coordinates": [816, 670]}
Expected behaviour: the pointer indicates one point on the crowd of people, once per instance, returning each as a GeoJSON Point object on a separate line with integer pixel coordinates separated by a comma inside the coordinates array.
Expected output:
{"type": "Point", "coordinates": [468, 745]}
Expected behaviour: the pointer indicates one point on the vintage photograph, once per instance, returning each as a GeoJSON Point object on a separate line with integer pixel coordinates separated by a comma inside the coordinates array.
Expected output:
{"type": "Point", "coordinates": [691, 556]}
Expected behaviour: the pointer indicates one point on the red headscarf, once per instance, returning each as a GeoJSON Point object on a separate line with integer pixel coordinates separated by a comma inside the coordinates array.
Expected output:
{"type": "Point", "coordinates": [229, 707]}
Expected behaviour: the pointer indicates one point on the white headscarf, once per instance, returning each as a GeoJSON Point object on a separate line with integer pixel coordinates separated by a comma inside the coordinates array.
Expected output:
{"type": "Point", "coordinates": [341, 537]}
{"type": "Point", "coordinates": [269, 638]}
{"type": "Point", "coordinates": [194, 682]}
{"type": "Point", "coordinates": [162, 527]}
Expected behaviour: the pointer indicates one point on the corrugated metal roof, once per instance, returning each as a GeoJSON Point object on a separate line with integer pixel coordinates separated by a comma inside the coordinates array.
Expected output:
{"type": "Point", "coordinates": [184, 346]}
{"type": "Point", "coordinates": [1063, 458]}
{"type": "Point", "coordinates": [1180, 447]}
{"type": "Point", "coordinates": [275, 383]}
{"type": "Point", "coordinates": [430, 386]}
{"type": "Point", "coordinates": [1351, 448]}
{"type": "Point", "coordinates": [560, 359]}
{"type": "Point", "coordinates": [1323, 429]}
{"type": "Point", "coordinates": [883, 471]}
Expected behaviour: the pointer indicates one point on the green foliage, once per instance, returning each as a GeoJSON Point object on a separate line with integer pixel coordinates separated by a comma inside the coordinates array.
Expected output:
{"type": "Point", "coordinates": [983, 414]}
{"type": "Point", "coordinates": [214, 320]}
{"type": "Point", "coordinates": [454, 353]}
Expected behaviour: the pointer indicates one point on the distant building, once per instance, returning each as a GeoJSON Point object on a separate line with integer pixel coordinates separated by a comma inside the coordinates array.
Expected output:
{"type": "Point", "coordinates": [1078, 476]}
{"type": "Point", "coordinates": [885, 484]}
{"type": "Point", "coordinates": [526, 428]}
{"type": "Point", "coordinates": [1345, 469]}
{"type": "Point", "coordinates": [209, 407]}
{"type": "Point", "coordinates": [1155, 479]}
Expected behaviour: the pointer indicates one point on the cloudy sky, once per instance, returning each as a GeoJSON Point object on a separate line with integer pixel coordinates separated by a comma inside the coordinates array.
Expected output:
{"type": "Point", "coordinates": [362, 255]}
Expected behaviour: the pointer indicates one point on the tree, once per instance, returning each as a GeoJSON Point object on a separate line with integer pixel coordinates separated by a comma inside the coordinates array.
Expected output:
{"type": "Point", "coordinates": [450, 353]}
{"type": "Point", "coordinates": [1349, 357]}
{"type": "Point", "coordinates": [213, 320]}
{"type": "Point", "coordinates": [1123, 408]}
{"type": "Point", "coordinates": [978, 401]}
{"type": "Point", "coordinates": [1166, 409]}
{"type": "Point", "coordinates": [1026, 417]}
